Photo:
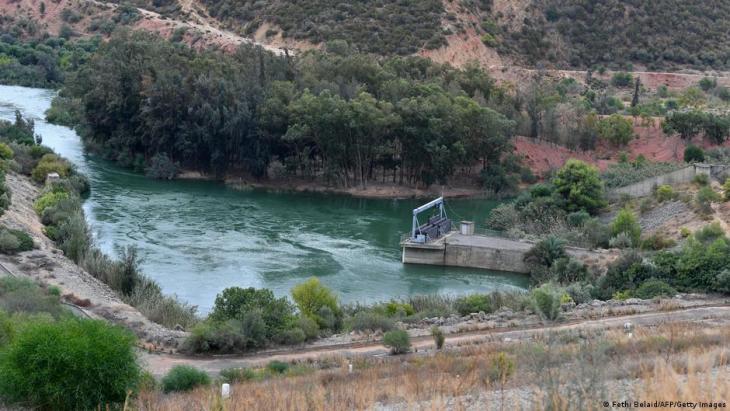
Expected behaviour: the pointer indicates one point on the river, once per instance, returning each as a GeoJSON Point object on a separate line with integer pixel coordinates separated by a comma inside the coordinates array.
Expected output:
{"type": "Point", "coordinates": [197, 238]}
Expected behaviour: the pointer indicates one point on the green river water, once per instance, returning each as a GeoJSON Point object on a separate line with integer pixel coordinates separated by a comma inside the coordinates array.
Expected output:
{"type": "Point", "coordinates": [198, 238]}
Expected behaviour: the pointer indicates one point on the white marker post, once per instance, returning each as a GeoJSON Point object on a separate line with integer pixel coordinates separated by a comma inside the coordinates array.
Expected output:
{"type": "Point", "coordinates": [225, 391]}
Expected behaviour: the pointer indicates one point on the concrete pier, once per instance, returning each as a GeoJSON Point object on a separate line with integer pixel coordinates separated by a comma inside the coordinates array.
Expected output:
{"type": "Point", "coordinates": [487, 252]}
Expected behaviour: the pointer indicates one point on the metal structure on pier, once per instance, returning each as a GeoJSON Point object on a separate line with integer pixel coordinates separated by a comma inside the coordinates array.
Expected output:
{"type": "Point", "coordinates": [436, 225]}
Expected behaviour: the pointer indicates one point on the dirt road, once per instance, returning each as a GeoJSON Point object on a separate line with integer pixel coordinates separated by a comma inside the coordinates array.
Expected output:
{"type": "Point", "coordinates": [159, 364]}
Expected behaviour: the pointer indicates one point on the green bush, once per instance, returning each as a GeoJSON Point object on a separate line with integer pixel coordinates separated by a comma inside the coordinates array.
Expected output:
{"type": "Point", "coordinates": [546, 252]}
{"type": "Point", "coordinates": [701, 180]}
{"type": "Point", "coordinates": [546, 300]}
{"type": "Point", "coordinates": [722, 282]}
{"type": "Point", "coordinates": [277, 367]}
{"type": "Point", "coordinates": [473, 304]}
{"type": "Point", "coordinates": [665, 193]}
{"type": "Point", "coordinates": [49, 199]}
{"type": "Point", "coordinates": [318, 302]}
{"type": "Point", "coordinates": [568, 270]}
{"type": "Point", "coordinates": [621, 79]}
{"type": "Point", "coordinates": [184, 378]}
{"type": "Point", "coordinates": [625, 222]}
{"type": "Point", "coordinates": [236, 375]}
{"type": "Point", "coordinates": [398, 341]}
{"type": "Point", "coordinates": [68, 365]}
{"type": "Point", "coordinates": [20, 295]}
{"type": "Point", "coordinates": [396, 309]}
{"type": "Point", "coordinates": [657, 242]}
{"type": "Point", "coordinates": [693, 154]}
{"type": "Point", "coordinates": [50, 163]}
{"type": "Point", "coordinates": [709, 233]}
{"type": "Point", "coordinates": [616, 129]}
{"type": "Point", "coordinates": [654, 288]}
{"type": "Point", "coordinates": [6, 153]}
{"type": "Point", "coordinates": [726, 189]}
{"type": "Point", "coordinates": [234, 302]}
{"type": "Point", "coordinates": [365, 320]}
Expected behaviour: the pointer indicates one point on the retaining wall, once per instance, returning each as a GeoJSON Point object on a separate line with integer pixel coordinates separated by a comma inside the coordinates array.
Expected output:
{"type": "Point", "coordinates": [684, 175]}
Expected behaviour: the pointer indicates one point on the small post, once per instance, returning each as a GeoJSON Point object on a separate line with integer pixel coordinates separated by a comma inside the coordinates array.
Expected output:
{"type": "Point", "coordinates": [225, 391]}
{"type": "Point", "coordinates": [349, 368]}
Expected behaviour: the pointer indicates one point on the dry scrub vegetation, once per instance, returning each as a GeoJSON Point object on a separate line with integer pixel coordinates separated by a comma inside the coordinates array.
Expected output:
{"type": "Point", "coordinates": [573, 370]}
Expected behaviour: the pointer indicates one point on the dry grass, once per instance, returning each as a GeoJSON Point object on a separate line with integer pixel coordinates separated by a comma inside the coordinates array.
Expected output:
{"type": "Point", "coordinates": [563, 371]}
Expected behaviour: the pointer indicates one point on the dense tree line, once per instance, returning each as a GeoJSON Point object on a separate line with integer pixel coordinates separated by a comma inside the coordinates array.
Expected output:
{"type": "Point", "coordinates": [658, 34]}
{"type": "Point", "coordinates": [347, 118]}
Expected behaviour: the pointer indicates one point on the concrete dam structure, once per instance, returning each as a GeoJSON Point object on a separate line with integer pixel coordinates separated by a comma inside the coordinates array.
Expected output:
{"type": "Point", "coordinates": [487, 252]}
{"type": "Point", "coordinates": [434, 243]}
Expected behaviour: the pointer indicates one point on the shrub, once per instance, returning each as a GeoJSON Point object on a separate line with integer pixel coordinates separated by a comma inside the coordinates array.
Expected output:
{"type": "Point", "coordinates": [183, 378]}
{"type": "Point", "coordinates": [579, 186]}
{"type": "Point", "coordinates": [9, 244]}
{"type": "Point", "coordinates": [236, 375]}
{"type": "Point", "coordinates": [701, 180]}
{"type": "Point", "coordinates": [709, 233]}
{"type": "Point", "coordinates": [616, 129]}
{"type": "Point", "coordinates": [473, 304]}
{"type": "Point", "coordinates": [580, 292]}
{"type": "Point", "coordinates": [364, 320]}
{"type": "Point", "coordinates": [314, 300]}
{"type": "Point", "coordinates": [209, 336]}
{"type": "Point", "coordinates": [277, 367]}
{"type": "Point", "coordinates": [398, 341]}
{"type": "Point", "coordinates": [664, 193]}
{"type": "Point", "coordinates": [625, 222]}
{"type": "Point", "coordinates": [654, 288]}
{"type": "Point", "coordinates": [50, 163]}
{"type": "Point", "coordinates": [292, 336]}
{"type": "Point", "coordinates": [705, 197]}
{"type": "Point", "coordinates": [693, 154]}
{"type": "Point", "coordinates": [707, 83]}
{"type": "Point", "coordinates": [568, 270]}
{"type": "Point", "coordinates": [546, 251]}
{"type": "Point", "coordinates": [396, 309]}
{"type": "Point", "coordinates": [622, 240]}
{"type": "Point", "coordinates": [726, 189]}
{"type": "Point", "coordinates": [20, 295]}
{"type": "Point", "coordinates": [49, 199]}
{"type": "Point", "coordinates": [72, 364]}
{"type": "Point", "coordinates": [438, 337]}
{"type": "Point", "coordinates": [234, 302]}
{"type": "Point", "coordinates": [546, 300]}
{"type": "Point", "coordinates": [578, 218]}
{"type": "Point", "coordinates": [6, 153]}
{"type": "Point", "coordinates": [621, 79]}
{"type": "Point", "coordinates": [501, 369]}
{"type": "Point", "coordinates": [722, 282]}
{"type": "Point", "coordinates": [167, 310]}
{"type": "Point", "coordinates": [657, 242]}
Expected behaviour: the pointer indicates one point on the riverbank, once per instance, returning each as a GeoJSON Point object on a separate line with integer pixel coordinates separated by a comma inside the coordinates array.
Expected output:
{"type": "Point", "coordinates": [373, 190]}
{"type": "Point", "coordinates": [46, 264]}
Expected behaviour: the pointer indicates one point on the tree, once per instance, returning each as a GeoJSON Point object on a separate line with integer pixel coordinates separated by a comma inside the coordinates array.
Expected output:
{"type": "Point", "coordinates": [693, 154]}
{"type": "Point", "coordinates": [249, 303]}
{"type": "Point", "coordinates": [716, 127]}
{"type": "Point", "coordinates": [580, 187]}
{"type": "Point", "coordinates": [616, 129]}
{"type": "Point", "coordinates": [314, 299]}
{"type": "Point", "coordinates": [398, 341]}
{"type": "Point", "coordinates": [686, 124]}
{"type": "Point", "coordinates": [625, 222]}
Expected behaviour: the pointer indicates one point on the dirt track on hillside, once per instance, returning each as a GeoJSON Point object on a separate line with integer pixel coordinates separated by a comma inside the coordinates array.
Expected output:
{"type": "Point", "coordinates": [159, 364]}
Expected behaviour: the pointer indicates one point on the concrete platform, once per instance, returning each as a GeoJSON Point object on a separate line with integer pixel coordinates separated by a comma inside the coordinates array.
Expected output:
{"type": "Point", "coordinates": [486, 252]}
